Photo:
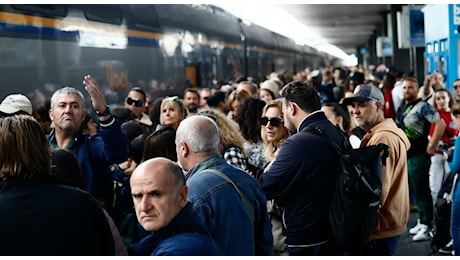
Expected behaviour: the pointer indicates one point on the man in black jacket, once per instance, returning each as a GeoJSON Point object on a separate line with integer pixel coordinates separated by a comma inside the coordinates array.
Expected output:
{"type": "Point", "coordinates": [301, 177]}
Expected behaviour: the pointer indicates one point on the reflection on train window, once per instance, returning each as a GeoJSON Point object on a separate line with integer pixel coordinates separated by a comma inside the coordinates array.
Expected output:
{"type": "Point", "coordinates": [49, 10]}
{"type": "Point", "coordinates": [145, 17]}
{"type": "Point", "coordinates": [104, 13]}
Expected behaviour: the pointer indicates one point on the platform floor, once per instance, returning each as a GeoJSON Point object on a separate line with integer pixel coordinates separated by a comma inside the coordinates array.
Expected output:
{"type": "Point", "coordinates": [407, 247]}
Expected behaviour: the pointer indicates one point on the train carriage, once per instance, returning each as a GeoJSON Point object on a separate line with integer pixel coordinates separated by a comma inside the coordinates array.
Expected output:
{"type": "Point", "coordinates": [45, 47]}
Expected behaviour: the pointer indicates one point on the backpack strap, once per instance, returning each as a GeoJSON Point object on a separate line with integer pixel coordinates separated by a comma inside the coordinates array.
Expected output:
{"type": "Point", "coordinates": [426, 99]}
{"type": "Point", "coordinates": [244, 199]}
{"type": "Point", "coordinates": [320, 132]}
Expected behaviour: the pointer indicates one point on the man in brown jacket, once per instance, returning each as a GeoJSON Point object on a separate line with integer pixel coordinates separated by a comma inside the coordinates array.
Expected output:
{"type": "Point", "coordinates": [367, 102]}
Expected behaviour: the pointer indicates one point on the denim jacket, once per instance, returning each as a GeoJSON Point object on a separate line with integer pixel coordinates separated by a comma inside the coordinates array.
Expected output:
{"type": "Point", "coordinates": [223, 212]}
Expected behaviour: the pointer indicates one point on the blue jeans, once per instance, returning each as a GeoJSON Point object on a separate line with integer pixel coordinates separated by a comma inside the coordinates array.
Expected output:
{"type": "Point", "coordinates": [304, 251]}
{"type": "Point", "coordinates": [455, 219]}
{"type": "Point", "coordinates": [385, 246]}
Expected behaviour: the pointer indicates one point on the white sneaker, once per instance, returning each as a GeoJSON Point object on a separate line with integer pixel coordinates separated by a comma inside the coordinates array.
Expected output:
{"type": "Point", "coordinates": [423, 234]}
{"type": "Point", "coordinates": [415, 229]}
{"type": "Point", "coordinates": [447, 249]}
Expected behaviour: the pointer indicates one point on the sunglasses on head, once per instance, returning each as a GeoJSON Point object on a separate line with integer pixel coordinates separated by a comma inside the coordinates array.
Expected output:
{"type": "Point", "coordinates": [174, 98]}
{"type": "Point", "coordinates": [274, 121]}
{"type": "Point", "coordinates": [137, 102]}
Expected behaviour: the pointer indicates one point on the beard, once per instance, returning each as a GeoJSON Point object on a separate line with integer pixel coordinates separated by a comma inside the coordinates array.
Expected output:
{"type": "Point", "coordinates": [292, 129]}
{"type": "Point", "coordinates": [192, 108]}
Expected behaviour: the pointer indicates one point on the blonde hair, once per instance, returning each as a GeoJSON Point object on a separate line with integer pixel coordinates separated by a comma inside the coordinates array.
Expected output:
{"type": "Point", "coordinates": [271, 148]}
{"type": "Point", "coordinates": [176, 103]}
{"type": "Point", "coordinates": [229, 130]}
{"type": "Point", "coordinates": [24, 149]}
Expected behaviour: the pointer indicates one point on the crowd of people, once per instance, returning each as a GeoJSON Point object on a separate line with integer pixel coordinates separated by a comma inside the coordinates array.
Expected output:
{"type": "Point", "coordinates": [224, 170]}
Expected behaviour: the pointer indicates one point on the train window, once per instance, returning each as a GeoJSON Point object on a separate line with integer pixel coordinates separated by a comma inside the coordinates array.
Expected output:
{"type": "Point", "coordinates": [442, 45]}
{"type": "Point", "coordinates": [145, 17]}
{"type": "Point", "coordinates": [429, 48]}
{"type": "Point", "coordinates": [104, 13]}
{"type": "Point", "coordinates": [49, 10]}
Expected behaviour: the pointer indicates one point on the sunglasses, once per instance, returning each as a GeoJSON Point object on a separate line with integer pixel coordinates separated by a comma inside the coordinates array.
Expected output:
{"type": "Point", "coordinates": [456, 86]}
{"type": "Point", "coordinates": [137, 102]}
{"type": "Point", "coordinates": [274, 121]}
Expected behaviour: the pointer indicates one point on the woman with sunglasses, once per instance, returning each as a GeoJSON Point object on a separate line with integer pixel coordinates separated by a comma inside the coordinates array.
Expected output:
{"type": "Point", "coordinates": [273, 134]}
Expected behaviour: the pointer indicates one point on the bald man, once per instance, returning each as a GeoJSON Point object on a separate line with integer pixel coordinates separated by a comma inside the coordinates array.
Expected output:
{"type": "Point", "coordinates": [227, 217]}
{"type": "Point", "coordinates": [160, 201]}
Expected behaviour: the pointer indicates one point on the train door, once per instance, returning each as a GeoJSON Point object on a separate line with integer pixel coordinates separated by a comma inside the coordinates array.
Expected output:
{"type": "Point", "coordinates": [191, 74]}
{"type": "Point", "coordinates": [442, 23]}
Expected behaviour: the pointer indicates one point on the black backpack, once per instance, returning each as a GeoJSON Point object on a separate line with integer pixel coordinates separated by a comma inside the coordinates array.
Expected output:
{"type": "Point", "coordinates": [356, 197]}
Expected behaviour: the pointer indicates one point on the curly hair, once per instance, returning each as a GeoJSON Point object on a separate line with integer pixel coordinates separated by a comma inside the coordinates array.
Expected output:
{"type": "Point", "coordinates": [230, 133]}
{"type": "Point", "coordinates": [248, 118]}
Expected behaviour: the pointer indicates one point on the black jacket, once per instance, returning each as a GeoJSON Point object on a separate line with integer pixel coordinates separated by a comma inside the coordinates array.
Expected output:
{"type": "Point", "coordinates": [301, 181]}
{"type": "Point", "coordinates": [40, 217]}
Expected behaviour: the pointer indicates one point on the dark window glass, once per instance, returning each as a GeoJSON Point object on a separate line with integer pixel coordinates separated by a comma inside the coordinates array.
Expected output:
{"type": "Point", "coordinates": [104, 13]}
{"type": "Point", "coordinates": [48, 10]}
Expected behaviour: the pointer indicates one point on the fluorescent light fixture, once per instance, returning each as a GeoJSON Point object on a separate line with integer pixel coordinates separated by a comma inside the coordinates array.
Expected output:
{"type": "Point", "coordinates": [277, 20]}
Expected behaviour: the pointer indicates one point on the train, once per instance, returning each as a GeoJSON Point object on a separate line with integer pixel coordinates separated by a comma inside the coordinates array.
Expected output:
{"type": "Point", "coordinates": [168, 47]}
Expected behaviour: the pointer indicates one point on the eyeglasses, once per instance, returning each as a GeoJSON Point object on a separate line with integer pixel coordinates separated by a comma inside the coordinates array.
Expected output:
{"type": "Point", "coordinates": [274, 121]}
{"type": "Point", "coordinates": [137, 102]}
{"type": "Point", "coordinates": [456, 86]}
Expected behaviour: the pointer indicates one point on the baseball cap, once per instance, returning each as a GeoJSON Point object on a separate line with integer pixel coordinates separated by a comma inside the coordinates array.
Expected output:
{"type": "Point", "coordinates": [15, 103]}
{"type": "Point", "coordinates": [365, 92]}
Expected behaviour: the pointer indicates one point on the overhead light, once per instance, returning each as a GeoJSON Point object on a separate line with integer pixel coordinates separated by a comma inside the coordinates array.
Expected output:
{"type": "Point", "coordinates": [278, 20]}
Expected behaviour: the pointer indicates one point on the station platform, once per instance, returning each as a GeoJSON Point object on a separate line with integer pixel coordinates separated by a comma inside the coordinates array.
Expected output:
{"type": "Point", "coordinates": [407, 247]}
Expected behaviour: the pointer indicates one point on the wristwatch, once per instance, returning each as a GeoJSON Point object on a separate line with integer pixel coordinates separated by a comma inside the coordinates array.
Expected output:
{"type": "Point", "coordinates": [105, 113]}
